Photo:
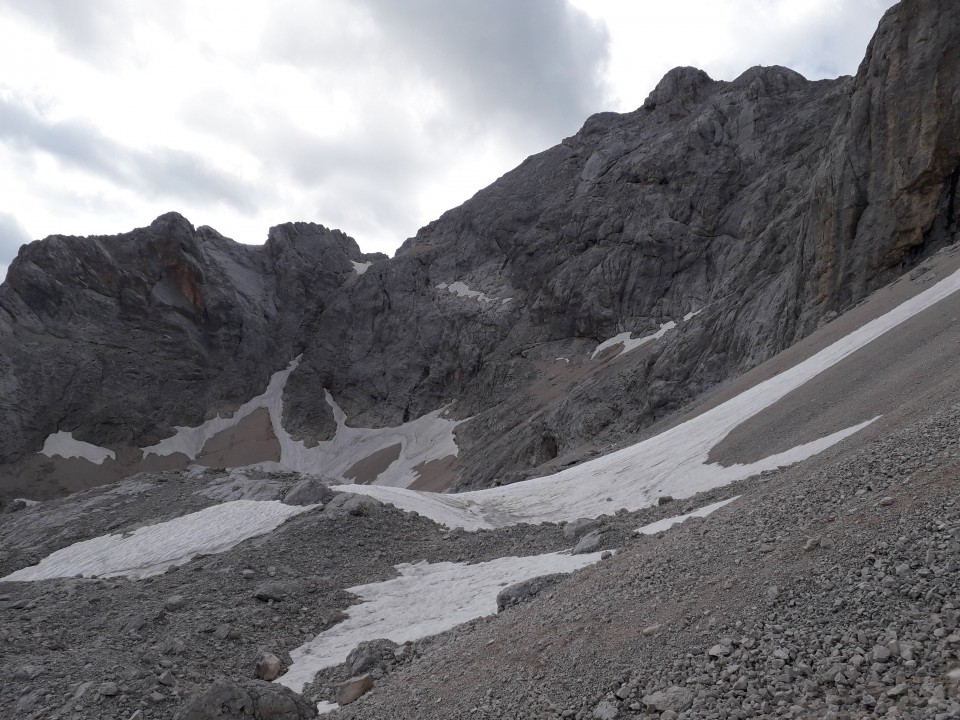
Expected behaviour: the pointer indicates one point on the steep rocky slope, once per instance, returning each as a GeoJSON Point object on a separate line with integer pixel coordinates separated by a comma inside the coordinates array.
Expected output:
{"type": "Point", "coordinates": [744, 213]}
{"type": "Point", "coordinates": [118, 338]}
{"type": "Point", "coordinates": [749, 226]}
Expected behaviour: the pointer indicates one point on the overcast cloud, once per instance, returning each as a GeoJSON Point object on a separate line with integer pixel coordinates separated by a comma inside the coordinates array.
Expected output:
{"type": "Point", "coordinates": [373, 116]}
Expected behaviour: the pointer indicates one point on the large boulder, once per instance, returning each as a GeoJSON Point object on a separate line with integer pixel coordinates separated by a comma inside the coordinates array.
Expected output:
{"type": "Point", "coordinates": [227, 699]}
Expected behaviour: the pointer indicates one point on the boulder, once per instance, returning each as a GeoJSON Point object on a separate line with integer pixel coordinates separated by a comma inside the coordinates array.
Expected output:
{"type": "Point", "coordinates": [227, 699]}
{"type": "Point", "coordinates": [675, 698]}
{"type": "Point", "coordinates": [350, 690]}
{"type": "Point", "coordinates": [577, 528]}
{"type": "Point", "coordinates": [309, 491]}
{"type": "Point", "coordinates": [267, 666]}
{"type": "Point", "coordinates": [371, 654]}
{"type": "Point", "coordinates": [591, 542]}
{"type": "Point", "coordinates": [522, 591]}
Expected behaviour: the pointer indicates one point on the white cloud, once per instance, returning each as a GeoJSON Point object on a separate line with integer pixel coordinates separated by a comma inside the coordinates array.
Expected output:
{"type": "Point", "coordinates": [817, 38]}
{"type": "Point", "coordinates": [370, 116]}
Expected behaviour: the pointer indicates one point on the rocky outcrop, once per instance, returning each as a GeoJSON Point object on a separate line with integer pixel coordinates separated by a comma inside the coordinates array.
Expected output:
{"type": "Point", "coordinates": [743, 213]}
{"type": "Point", "coordinates": [766, 203]}
{"type": "Point", "coordinates": [119, 338]}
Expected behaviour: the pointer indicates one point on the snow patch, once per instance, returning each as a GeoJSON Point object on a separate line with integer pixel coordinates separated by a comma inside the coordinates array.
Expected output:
{"type": "Point", "coordinates": [429, 437]}
{"type": "Point", "coordinates": [671, 463]}
{"type": "Point", "coordinates": [361, 267]}
{"type": "Point", "coordinates": [425, 600]}
{"type": "Point", "coordinates": [152, 549]}
{"type": "Point", "coordinates": [691, 315]}
{"type": "Point", "coordinates": [190, 440]}
{"type": "Point", "coordinates": [632, 344]}
{"type": "Point", "coordinates": [326, 707]}
{"type": "Point", "coordinates": [667, 523]}
{"type": "Point", "coordinates": [63, 445]}
{"type": "Point", "coordinates": [27, 503]}
{"type": "Point", "coordinates": [460, 289]}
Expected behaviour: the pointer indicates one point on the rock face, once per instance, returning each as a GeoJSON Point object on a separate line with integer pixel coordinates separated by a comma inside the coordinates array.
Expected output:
{"type": "Point", "coordinates": [763, 205]}
{"type": "Point", "coordinates": [117, 339]}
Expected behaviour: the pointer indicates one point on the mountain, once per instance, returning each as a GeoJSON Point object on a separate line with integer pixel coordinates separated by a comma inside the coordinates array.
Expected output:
{"type": "Point", "coordinates": [735, 302]}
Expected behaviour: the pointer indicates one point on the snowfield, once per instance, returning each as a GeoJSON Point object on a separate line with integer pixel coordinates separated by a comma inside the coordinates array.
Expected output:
{"type": "Point", "coordinates": [152, 549]}
{"type": "Point", "coordinates": [672, 463]}
{"type": "Point", "coordinates": [63, 445]}
{"type": "Point", "coordinates": [429, 437]}
{"type": "Point", "coordinates": [427, 599]}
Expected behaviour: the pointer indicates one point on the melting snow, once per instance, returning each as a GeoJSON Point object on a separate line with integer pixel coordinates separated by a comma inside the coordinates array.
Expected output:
{"type": "Point", "coordinates": [425, 600]}
{"type": "Point", "coordinates": [62, 444]}
{"type": "Point", "coordinates": [361, 267]}
{"type": "Point", "coordinates": [672, 463]}
{"type": "Point", "coordinates": [429, 437]}
{"type": "Point", "coordinates": [632, 344]}
{"type": "Point", "coordinates": [326, 707]}
{"type": "Point", "coordinates": [152, 549]}
{"type": "Point", "coordinates": [667, 523]}
{"type": "Point", "coordinates": [459, 288]}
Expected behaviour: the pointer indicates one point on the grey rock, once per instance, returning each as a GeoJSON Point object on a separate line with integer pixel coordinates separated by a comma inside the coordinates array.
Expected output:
{"type": "Point", "coordinates": [577, 528]}
{"type": "Point", "coordinates": [267, 666]}
{"type": "Point", "coordinates": [591, 542]}
{"type": "Point", "coordinates": [371, 654]}
{"type": "Point", "coordinates": [108, 689]}
{"type": "Point", "coordinates": [605, 710]}
{"type": "Point", "coordinates": [276, 590]}
{"type": "Point", "coordinates": [27, 672]}
{"type": "Point", "coordinates": [674, 698]}
{"type": "Point", "coordinates": [350, 504]}
{"type": "Point", "coordinates": [309, 491]}
{"type": "Point", "coordinates": [15, 505]}
{"type": "Point", "coordinates": [522, 591]}
{"type": "Point", "coordinates": [247, 699]}
{"type": "Point", "coordinates": [175, 602]}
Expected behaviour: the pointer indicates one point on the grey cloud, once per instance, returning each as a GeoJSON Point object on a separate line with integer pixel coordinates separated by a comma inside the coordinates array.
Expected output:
{"type": "Point", "coordinates": [361, 183]}
{"type": "Point", "coordinates": [533, 68]}
{"type": "Point", "coordinates": [537, 61]}
{"type": "Point", "coordinates": [159, 172]}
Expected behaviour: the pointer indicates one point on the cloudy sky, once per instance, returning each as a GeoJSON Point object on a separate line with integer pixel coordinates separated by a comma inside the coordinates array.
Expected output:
{"type": "Point", "coordinates": [372, 116]}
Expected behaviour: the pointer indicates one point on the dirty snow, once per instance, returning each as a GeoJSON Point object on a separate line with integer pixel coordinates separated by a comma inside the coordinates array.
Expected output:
{"type": "Point", "coordinates": [667, 523]}
{"type": "Point", "coordinates": [152, 549]}
{"type": "Point", "coordinates": [460, 289]}
{"type": "Point", "coordinates": [326, 707]}
{"type": "Point", "coordinates": [361, 267]}
{"type": "Point", "coordinates": [396, 610]}
{"type": "Point", "coordinates": [672, 463]}
{"type": "Point", "coordinates": [632, 344]}
{"type": "Point", "coordinates": [429, 437]}
{"type": "Point", "coordinates": [63, 445]}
